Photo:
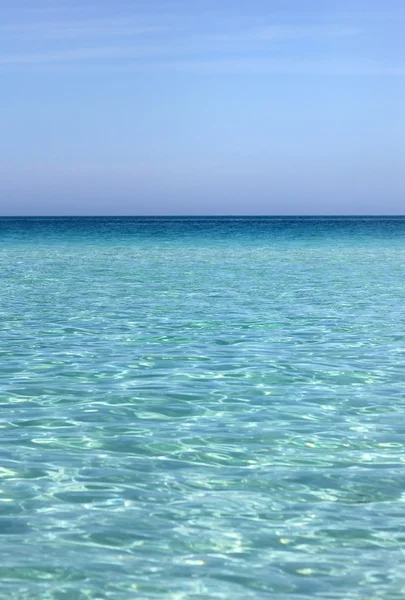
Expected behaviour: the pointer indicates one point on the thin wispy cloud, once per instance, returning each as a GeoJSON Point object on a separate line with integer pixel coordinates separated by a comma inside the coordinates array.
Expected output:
{"type": "Point", "coordinates": [285, 32]}
{"type": "Point", "coordinates": [91, 29]}
{"type": "Point", "coordinates": [294, 66]}
{"type": "Point", "coordinates": [156, 59]}
{"type": "Point", "coordinates": [161, 39]}
{"type": "Point", "coordinates": [80, 55]}
{"type": "Point", "coordinates": [78, 30]}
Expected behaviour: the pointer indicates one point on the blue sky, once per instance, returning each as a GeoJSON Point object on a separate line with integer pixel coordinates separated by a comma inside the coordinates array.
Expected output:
{"type": "Point", "coordinates": [202, 107]}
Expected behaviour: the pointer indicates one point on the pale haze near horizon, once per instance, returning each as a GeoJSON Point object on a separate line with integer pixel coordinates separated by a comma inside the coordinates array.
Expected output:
{"type": "Point", "coordinates": [159, 108]}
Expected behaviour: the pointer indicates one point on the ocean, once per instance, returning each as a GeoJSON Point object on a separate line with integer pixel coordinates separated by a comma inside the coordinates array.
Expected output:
{"type": "Point", "coordinates": [202, 408]}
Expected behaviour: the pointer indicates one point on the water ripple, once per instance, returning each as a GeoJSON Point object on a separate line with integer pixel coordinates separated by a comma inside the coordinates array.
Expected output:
{"type": "Point", "coordinates": [202, 410]}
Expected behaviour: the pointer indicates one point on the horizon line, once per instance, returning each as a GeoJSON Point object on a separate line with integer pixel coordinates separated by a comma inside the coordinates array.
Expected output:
{"type": "Point", "coordinates": [206, 216]}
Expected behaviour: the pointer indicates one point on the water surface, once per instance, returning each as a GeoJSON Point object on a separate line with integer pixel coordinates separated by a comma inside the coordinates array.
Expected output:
{"type": "Point", "coordinates": [202, 408]}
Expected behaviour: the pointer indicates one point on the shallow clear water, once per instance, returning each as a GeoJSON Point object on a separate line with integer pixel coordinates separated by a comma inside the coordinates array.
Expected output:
{"type": "Point", "coordinates": [202, 409]}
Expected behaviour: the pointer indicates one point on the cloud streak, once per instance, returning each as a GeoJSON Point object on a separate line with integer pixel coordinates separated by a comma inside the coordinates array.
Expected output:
{"type": "Point", "coordinates": [163, 41]}
{"type": "Point", "coordinates": [297, 66]}
{"type": "Point", "coordinates": [50, 31]}
{"type": "Point", "coordinates": [283, 32]}
{"type": "Point", "coordinates": [91, 29]}
{"type": "Point", "coordinates": [80, 54]}
{"type": "Point", "coordinates": [156, 59]}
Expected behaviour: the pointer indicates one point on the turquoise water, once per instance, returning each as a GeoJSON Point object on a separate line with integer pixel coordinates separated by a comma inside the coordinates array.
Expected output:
{"type": "Point", "coordinates": [197, 409]}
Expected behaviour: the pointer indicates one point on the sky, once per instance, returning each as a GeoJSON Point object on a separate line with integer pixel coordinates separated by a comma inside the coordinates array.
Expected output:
{"type": "Point", "coordinates": [202, 107]}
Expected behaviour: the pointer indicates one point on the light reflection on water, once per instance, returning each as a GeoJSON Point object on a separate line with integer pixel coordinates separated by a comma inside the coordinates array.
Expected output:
{"type": "Point", "coordinates": [201, 409]}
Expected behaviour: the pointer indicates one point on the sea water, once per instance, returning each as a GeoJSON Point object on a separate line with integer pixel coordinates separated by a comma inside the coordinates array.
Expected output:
{"type": "Point", "coordinates": [202, 408]}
